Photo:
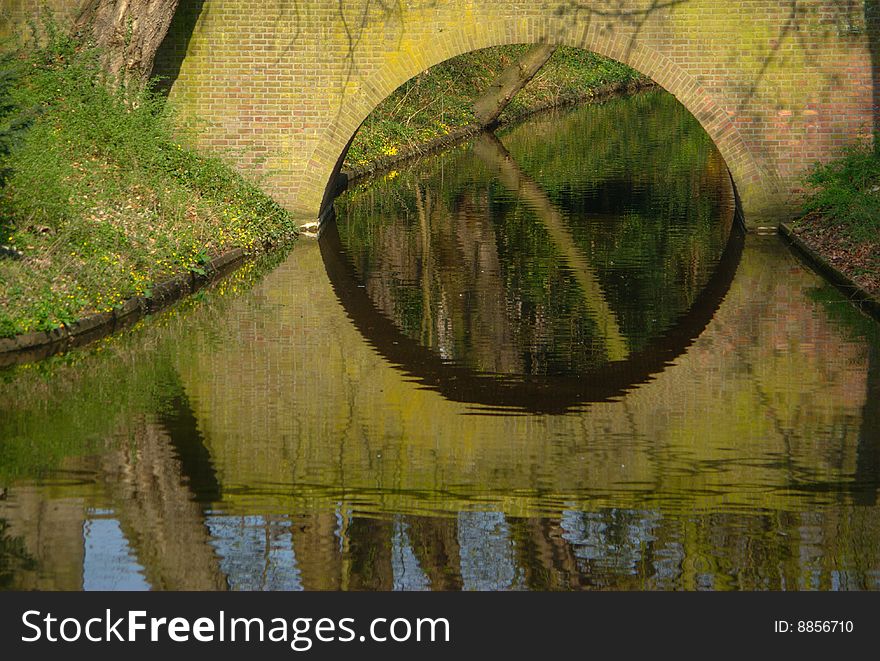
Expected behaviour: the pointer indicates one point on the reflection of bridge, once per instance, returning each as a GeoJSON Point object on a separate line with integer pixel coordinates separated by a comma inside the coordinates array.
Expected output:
{"type": "Point", "coordinates": [285, 85]}
{"type": "Point", "coordinates": [533, 393]}
{"type": "Point", "coordinates": [373, 312]}
{"type": "Point", "coordinates": [147, 499]}
{"type": "Point", "coordinates": [313, 490]}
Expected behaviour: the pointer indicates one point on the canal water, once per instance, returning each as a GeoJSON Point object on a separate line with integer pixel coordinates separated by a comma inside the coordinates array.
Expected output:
{"type": "Point", "coordinates": [544, 360]}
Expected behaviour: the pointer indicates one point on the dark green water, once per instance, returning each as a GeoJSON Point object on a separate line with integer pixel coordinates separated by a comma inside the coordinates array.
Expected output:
{"type": "Point", "coordinates": [544, 361]}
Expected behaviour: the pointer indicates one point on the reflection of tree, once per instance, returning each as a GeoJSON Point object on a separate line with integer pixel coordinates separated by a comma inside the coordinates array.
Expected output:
{"type": "Point", "coordinates": [859, 328]}
{"type": "Point", "coordinates": [368, 562]}
{"type": "Point", "coordinates": [14, 557]}
{"type": "Point", "coordinates": [158, 513]}
{"type": "Point", "coordinates": [544, 261]}
{"type": "Point", "coordinates": [491, 151]}
{"type": "Point", "coordinates": [41, 541]}
{"type": "Point", "coordinates": [547, 561]}
{"type": "Point", "coordinates": [440, 281]}
{"type": "Point", "coordinates": [318, 555]}
{"type": "Point", "coordinates": [435, 544]}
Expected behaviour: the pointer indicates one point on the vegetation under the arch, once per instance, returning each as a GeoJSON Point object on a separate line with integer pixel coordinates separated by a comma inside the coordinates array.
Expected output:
{"type": "Point", "coordinates": [441, 99]}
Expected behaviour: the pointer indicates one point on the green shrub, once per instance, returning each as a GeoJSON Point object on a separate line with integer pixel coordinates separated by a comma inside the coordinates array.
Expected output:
{"type": "Point", "coordinates": [846, 191]}
{"type": "Point", "coordinates": [13, 122]}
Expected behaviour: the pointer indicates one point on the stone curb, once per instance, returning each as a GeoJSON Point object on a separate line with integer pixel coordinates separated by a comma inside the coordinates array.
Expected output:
{"type": "Point", "coordinates": [35, 346]}
{"type": "Point", "coordinates": [853, 291]}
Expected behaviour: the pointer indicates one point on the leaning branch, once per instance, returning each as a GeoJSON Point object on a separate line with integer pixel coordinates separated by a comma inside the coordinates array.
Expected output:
{"type": "Point", "coordinates": [488, 108]}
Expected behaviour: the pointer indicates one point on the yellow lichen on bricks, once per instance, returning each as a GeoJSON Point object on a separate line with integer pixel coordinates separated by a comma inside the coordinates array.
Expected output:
{"type": "Point", "coordinates": [282, 86]}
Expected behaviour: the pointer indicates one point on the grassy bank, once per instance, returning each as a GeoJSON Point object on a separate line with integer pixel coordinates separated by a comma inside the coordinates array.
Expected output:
{"type": "Point", "coordinates": [440, 100]}
{"type": "Point", "coordinates": [842, 219]}
{"type": "Point", "coordinates": [102, 195]}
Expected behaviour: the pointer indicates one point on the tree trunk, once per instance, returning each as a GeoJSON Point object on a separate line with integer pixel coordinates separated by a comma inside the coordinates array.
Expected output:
{"type": "Point", "coordinates": [129, 32]}
{"type": "Point", "coordinates": [489, 107]}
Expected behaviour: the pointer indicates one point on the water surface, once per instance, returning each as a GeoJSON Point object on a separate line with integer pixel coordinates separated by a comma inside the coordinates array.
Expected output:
{"type": "Point", "coordinates": [543, 361]}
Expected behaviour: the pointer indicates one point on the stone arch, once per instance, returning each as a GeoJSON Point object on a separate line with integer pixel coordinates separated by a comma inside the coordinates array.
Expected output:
{"type": "Point", "coordinates": [754, 185]}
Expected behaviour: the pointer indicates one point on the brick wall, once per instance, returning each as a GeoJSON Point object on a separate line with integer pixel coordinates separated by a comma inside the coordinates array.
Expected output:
{"type": "Point", "coordinates": [281, 86]}
{"type": "Point", "coordinates": [15, 14]}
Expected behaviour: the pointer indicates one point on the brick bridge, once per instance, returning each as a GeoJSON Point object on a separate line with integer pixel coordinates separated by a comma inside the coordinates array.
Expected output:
{"type": "Point", "coordinates": [283, 85]}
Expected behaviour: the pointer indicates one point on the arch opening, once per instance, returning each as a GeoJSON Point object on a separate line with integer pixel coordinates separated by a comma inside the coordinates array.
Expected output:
{"type": "Point", "coordinates": [532, 273]}
{"type": "Point", "coordinates": [752, 185]}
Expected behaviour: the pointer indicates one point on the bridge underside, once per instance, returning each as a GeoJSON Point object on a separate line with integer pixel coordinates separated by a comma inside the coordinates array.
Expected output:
{"type": "Point", "coordinates": [283, 86]}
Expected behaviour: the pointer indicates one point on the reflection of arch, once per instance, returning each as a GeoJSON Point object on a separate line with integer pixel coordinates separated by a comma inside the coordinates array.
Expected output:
{"type": "Point", "coordinates": [537, 394]}
{"type": "Point", "coordinates": [326, 161]}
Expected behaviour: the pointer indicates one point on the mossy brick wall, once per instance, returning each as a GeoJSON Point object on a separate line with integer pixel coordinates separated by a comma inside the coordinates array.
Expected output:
{"type": "Point", "coordinates": [281, 86]}
{"type": "Point", "coordinates": [284, 85]}
{"type": "Point", "coordinates": [16, 14]}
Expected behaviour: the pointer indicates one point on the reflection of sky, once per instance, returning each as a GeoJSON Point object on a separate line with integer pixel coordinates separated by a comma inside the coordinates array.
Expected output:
{"type": "Point", "coordinates": [109, 563]}
{"type": "Point", "coordinates": [668, 559]}
{"type": "Point", "coordinates": [613, 539]}
{"type": "Point", "coordinates": [339, 533]}
{"type": "Point", "coordinates": [408, 575]}
{"type": "Point", "coordinates": [488, 560]}
{"type": "Point", "coordinates": [255, 553]}
{"type": "Point", "coordinates": [844, 579]}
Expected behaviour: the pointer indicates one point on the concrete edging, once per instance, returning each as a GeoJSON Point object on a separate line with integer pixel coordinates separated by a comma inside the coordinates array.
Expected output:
{"type": "Point", "coordinates": [29, 347]}
{"type": "Point", "coordinates": [853, 291]}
